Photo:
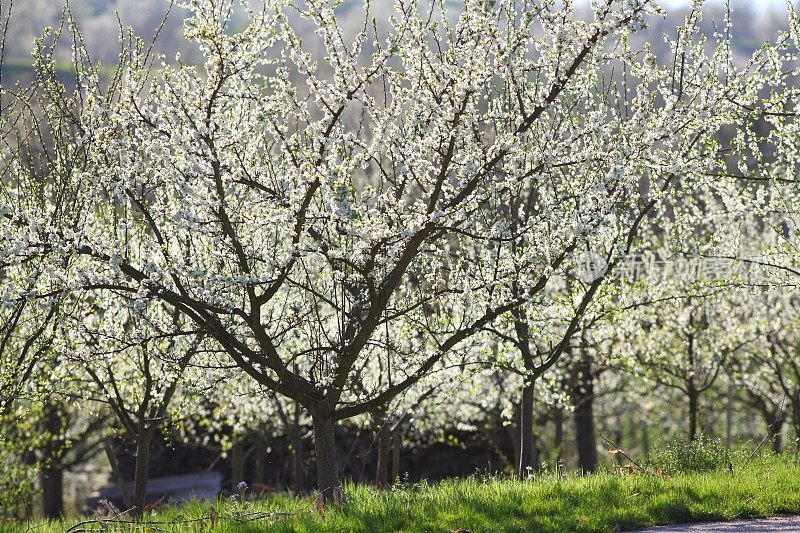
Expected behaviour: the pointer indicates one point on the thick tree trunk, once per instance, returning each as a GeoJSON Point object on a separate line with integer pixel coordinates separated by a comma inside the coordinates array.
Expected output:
{"type": "Point", "coordinates": [384, 442]}
{"type": "Point", "coordinates": [52, 483]}
{"type": "Point", "coordinates": [527, 446]}
{"type": "Point", "coordinates": [693, 408]}
{"type": "Point", "coordinates": [775, 421]}
{"type": "Point", "coordinates": [52, 474]}
{"type": "Point", "coordinates": [238, 452]}
{"type": "Point", "coordinates": [325, 448]}
{"type": "Point", "coordinates": [298, 470]}
{"type": "Point", "coordinates": [585, 437]}
{"type": "Point", "coordinates": [259, 460]}
{"type": "Point", "coordinates": [142, 470]}
{"type": "Point", "coordinates": [795, 400]}
{"type": "Point", "coordinates": [583, 402]}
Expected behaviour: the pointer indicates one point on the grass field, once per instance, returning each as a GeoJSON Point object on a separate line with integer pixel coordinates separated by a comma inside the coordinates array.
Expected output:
{"type": "Point", "coordinates": [602, 502]}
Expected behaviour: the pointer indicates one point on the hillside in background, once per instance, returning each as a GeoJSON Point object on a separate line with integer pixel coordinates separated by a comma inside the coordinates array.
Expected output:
{"type": "Point", "coordinates": [99, 20]}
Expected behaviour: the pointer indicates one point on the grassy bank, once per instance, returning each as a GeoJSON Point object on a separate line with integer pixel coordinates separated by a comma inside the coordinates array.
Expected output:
{"type": "Point", "coordinates": [602, 502]}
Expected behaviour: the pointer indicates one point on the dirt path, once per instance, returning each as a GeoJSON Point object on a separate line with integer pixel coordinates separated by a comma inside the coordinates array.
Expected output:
{"type": "Point", "coordinates": [782, 524]}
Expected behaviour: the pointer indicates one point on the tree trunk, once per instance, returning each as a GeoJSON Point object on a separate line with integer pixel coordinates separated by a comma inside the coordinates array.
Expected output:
{"type": "Point", "coordinates": [117, 474]}
{"type": "Point", "coordinates": [259, 460]}
{"type": "Point", "coordinates": [143, 440]}
{"type": "Point", "coordinates": [52, 483]}
{"type": "Point", "coordinates": [795, 400]}
{"type": "Point", "coordinates": [384, 441]}
{"type": "Point", "coordinates": [237, 462]}
{"type": "Point", "coordinates": [693, 408]}
{"type": "Point", "coordinates": [397, 444]}
{"type": "Point", "coordinates": [325, 448]}
{"type": "Point", "coordinates": [558, 435]}
{"type": "Point", "coordinates": [298, 471]}
{"type": "Point", "coordinates": [52, 473]}
{"type": "Point", "coordinates": [527, 446]}
{"type": "Point", "coordinates": [585, 438]}
{"type": "Point", "coordinates": [633, 440]}
{"type": "Point", "coordinates": [729, 417]}
{"type": "Point", "coordinates": [513, 433]}
{"type": "Point", "coordinates": [775, 420]}
{"type": "Point", "coordinates": [583, 402]}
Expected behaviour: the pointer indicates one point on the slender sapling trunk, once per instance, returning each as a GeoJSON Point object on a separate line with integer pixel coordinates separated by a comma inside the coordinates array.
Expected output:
{"type": "Point", "coordinates": [527, 446]}
{"type": "Point", "coordinates": [143, 440]}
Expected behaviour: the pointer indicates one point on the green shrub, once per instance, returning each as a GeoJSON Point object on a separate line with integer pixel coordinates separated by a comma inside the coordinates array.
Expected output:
{"type": "Point", "coordinates": [17, 486]}
{"type": "Point", "coordinates": [682, 456]}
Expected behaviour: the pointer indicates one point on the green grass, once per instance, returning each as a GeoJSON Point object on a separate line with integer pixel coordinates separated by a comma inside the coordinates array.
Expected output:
{"type": "Point", "coordinates": [602, 502]}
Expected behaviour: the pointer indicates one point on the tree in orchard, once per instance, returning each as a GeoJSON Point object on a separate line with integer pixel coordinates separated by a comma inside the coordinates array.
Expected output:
{"type": "Point", "coordinates": [67, 437]}
{"type": "Point", "coordinates": [457, 396]}
{"type": "Point", "coordinates": [766, 178]}
{"type": "Point", "coordinates": [131, 356]}
{"type": "Point", "coordinates": [687, 345]}
{"type": "Point", "coordinates": [296, 210]}
{"type": "Point", "coordinates": [242, 417]}
{"type": "Point", "coordinates": [763, 396]}
{"type": "Point", "coordinates": [36, 428]}
{"type": "Point", "coordinates": [27, 324]}
{"type": "Point", "coordinates": [389, 421]}
{"type": "Point", "coordinates": [767, 372]}
{"type": "Point", "coordinates": [649, 140]}
{"type": "Point", "coordinates": [759, 201]}
{"type": "Point", "coordinates": [588, 370]}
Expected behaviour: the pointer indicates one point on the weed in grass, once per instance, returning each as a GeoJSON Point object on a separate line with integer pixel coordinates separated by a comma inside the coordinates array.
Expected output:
{"type": "Point", "coordinates": [681, 456]}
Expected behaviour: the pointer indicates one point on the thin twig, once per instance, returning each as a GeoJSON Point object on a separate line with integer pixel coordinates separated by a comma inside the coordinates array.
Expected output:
{"type": "Point", "coordinates": [770, 431]}
{"type": "Point", "coordinates": [622, 453]}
